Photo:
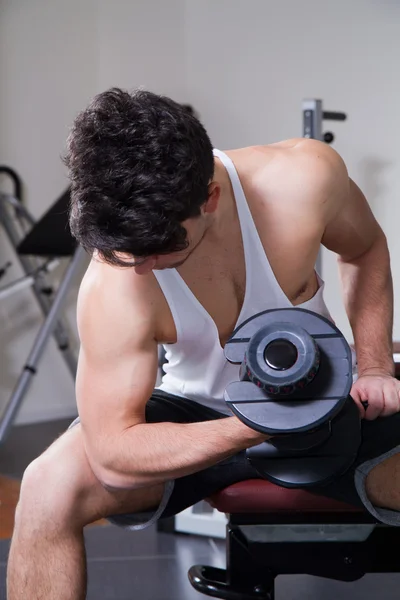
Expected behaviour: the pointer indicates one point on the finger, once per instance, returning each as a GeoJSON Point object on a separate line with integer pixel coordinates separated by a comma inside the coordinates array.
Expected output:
{"type": "Point", "coordinates": [391, 398]}
{"type": "Point", "coordinates": [359, 403]}
{"type": "Point", "coordinates": [376, 402]}
{"type": "Point", "coordinates": [371, 398]}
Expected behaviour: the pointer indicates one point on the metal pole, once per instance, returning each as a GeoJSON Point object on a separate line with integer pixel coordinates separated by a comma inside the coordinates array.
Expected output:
{"type": "Point", "coordinates": [13, 405]}
{"type": "Point", "coordinates": [312, 119]}
{"type": "Point", "coordinates": [45, 303]}
{"type": "Point", "coordinates": [312, 129]}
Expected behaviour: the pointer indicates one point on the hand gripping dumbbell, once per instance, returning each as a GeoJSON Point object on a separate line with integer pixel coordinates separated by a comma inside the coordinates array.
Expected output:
{"type": "Point", "coordinates": [295, 380]}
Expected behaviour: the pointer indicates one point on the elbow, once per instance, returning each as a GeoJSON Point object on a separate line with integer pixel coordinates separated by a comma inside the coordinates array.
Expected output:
{"type": "Point", "coordinates": [108, 475]}
{"type": "Point", "coordinates": [113, 471]}
{"type": "Point", "coordinates": [380, 243]}
{"type": "Point", "coordinates": [112, 480]}
{"type": "Point", "coordinates": [376, 250]}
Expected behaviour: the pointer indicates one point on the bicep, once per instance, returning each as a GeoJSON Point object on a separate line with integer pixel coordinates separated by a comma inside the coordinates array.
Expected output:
{"type": "Point", "coordinates": [352, 228]}
{"type": "Point", "coordinates": [117, 372]}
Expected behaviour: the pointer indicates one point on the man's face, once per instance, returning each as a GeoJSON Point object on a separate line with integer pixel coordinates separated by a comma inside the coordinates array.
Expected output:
{"type": "Point", "coordinates": [195, 228]}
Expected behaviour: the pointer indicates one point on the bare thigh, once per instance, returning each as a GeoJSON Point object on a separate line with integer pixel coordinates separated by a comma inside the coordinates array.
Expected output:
{"type": "Point", "coordinates": [64, 478]}
{"type": "Point", "coordinates": [383, 483]}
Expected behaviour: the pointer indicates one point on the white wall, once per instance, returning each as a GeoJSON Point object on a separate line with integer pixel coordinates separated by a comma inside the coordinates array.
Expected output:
{"type": "Point", "coordinates": [141, 43]}
{"type": "Point", "coordinates": [244, 64]}
{"type": "Point", "coordinates": [251, 62]}
{"type": "Point", "coordinates": [54, 56]}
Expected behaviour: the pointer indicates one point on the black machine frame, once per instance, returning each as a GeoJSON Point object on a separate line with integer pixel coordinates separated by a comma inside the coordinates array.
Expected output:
{"type": "Point", "coordinates": [252, 566]}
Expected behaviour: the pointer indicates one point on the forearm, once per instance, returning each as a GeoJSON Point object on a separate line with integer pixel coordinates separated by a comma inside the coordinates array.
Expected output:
{"type": "Point", "coordinates": [368, 297]}
{"type": "Point", "coordinates": [151, 453]}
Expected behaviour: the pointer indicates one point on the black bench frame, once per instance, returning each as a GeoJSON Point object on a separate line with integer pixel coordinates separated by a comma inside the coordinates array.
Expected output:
{"type": "Point", "coordinates": [253, 566]}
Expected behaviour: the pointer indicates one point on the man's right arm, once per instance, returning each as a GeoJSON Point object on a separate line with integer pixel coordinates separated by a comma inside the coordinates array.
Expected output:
{"type": "Point", "coordinates": [116, 376]}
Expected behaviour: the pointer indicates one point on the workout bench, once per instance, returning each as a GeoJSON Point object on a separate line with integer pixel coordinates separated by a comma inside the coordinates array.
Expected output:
{"type": "Point", "coordinates": [274, 531]}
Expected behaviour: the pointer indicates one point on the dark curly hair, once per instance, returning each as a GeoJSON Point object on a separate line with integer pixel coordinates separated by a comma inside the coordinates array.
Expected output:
{"type": "Point", "coordinates": [139, 165]}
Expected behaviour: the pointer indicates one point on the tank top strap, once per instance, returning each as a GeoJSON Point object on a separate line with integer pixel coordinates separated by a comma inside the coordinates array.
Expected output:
{"type": "Point", "coordinates": [248, 228]}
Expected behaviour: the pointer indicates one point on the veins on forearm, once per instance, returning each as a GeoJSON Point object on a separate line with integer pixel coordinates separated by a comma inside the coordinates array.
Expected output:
{"type": "Point", "coordinates": [368, 297]}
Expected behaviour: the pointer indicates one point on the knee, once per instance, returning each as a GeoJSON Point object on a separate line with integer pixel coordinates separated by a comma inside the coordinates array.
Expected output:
{"type": "Point", "coordinates": [49, 492]}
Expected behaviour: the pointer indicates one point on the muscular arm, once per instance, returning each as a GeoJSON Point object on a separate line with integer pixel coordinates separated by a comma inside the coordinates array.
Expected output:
{"type": "Point", "coordinates": [116, 376]}
{"type": "Point", "coordinates": [351, 231]}
{"type": "Point", "coordinates": [364, 268]}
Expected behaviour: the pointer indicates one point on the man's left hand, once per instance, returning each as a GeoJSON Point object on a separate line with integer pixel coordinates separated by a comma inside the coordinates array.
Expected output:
{"type": "Point", "coordinates": [376, 395]}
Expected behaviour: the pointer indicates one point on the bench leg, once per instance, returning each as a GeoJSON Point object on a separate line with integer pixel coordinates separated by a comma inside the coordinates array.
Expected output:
{"type": "Point", "coordinates": [242, 580]}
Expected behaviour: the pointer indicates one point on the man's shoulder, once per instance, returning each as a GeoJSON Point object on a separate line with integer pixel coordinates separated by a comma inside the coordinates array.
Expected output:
{"type": "Point", "coordinates": [297, 177]}
{"type": "Point", "coordinates": [299, 153]}
{"type": "Point", "coordinates": [298, 158]}
{"type": "Point", "coordinates": [107, 288]}
{"type": "Point", "coordinates": [299, 168]}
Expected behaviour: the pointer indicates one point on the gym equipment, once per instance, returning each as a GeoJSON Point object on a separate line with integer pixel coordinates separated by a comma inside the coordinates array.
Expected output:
{"type": "Point", "coordinates": [275, 531]}
{"type": "Point", "coordinates": [313, 117]}
{"type": "Point", "coordinates": [295, 380]}
{"type": "Point", "coordinates": [38, 246]}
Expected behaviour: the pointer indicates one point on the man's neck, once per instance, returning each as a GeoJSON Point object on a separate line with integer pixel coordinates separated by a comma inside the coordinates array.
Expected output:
{"type": "Point", "coordinates": [225, 216]}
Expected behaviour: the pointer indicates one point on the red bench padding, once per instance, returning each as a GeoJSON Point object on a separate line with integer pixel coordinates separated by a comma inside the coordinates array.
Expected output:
{"type": "Point", "coordinates": [260, 496]}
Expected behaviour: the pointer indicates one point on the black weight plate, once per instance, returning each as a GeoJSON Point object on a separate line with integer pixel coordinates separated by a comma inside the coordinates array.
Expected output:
{"type": "Point", "coordinates": [312, 466]}
{"type": "Point", "coordinates": [272, 414]}
{"type": "Point", "coordinates": [306, 442]}
{"type": "Point", "coordinates": [285, 417]}
{"type": "Point", "coordinates": [321, 399]}
{"type": "Point", "coordinates": [284, 381]}
{"type": "Point", "coordinates": [314, 324]}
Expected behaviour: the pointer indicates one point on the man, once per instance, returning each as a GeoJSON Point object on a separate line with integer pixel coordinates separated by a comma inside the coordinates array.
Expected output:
{"type": "Point", "coordinates": [187, 243]}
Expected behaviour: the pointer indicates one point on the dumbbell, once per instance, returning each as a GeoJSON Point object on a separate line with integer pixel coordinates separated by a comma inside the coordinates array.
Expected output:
{"type": "Point", "coordinates": [294, 383]}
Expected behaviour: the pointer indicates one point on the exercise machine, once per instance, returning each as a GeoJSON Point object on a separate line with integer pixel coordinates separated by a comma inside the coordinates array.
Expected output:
{"type": "Point", "coordinates": [38, 247]}
{"type": "Point", "coordinates": [314, 116]}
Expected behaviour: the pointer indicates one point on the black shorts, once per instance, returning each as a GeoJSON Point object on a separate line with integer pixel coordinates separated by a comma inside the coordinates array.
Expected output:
{"type": "Point", "coordinates": [380, 439]}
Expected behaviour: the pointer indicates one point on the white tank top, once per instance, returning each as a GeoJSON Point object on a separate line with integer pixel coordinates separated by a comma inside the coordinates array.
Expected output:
{"type": "Point", "coordinates": [196, 367]}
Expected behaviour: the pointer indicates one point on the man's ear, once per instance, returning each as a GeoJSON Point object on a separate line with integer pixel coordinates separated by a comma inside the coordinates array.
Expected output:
{"type": "Point", "coordinates": [214, 194]}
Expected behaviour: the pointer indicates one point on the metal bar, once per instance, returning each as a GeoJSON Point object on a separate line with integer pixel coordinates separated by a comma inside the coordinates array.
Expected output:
{"type": "Point", "coordinates": [312, 129]}
{"type": "Point", "coordinates": [39, 345]}
{"type": "Point", "coordinates": [24, 282]}
{"type": "Point", "coordinates": [15, 179]}
{"type": "Point", "coordinates": [19, 208]}
{"type": "Point", "coordinates": [40, 282]}
{"type": "Point", "coordinates": [329, 115]}
{"type": "Point", "coordinates": [312, 119]}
